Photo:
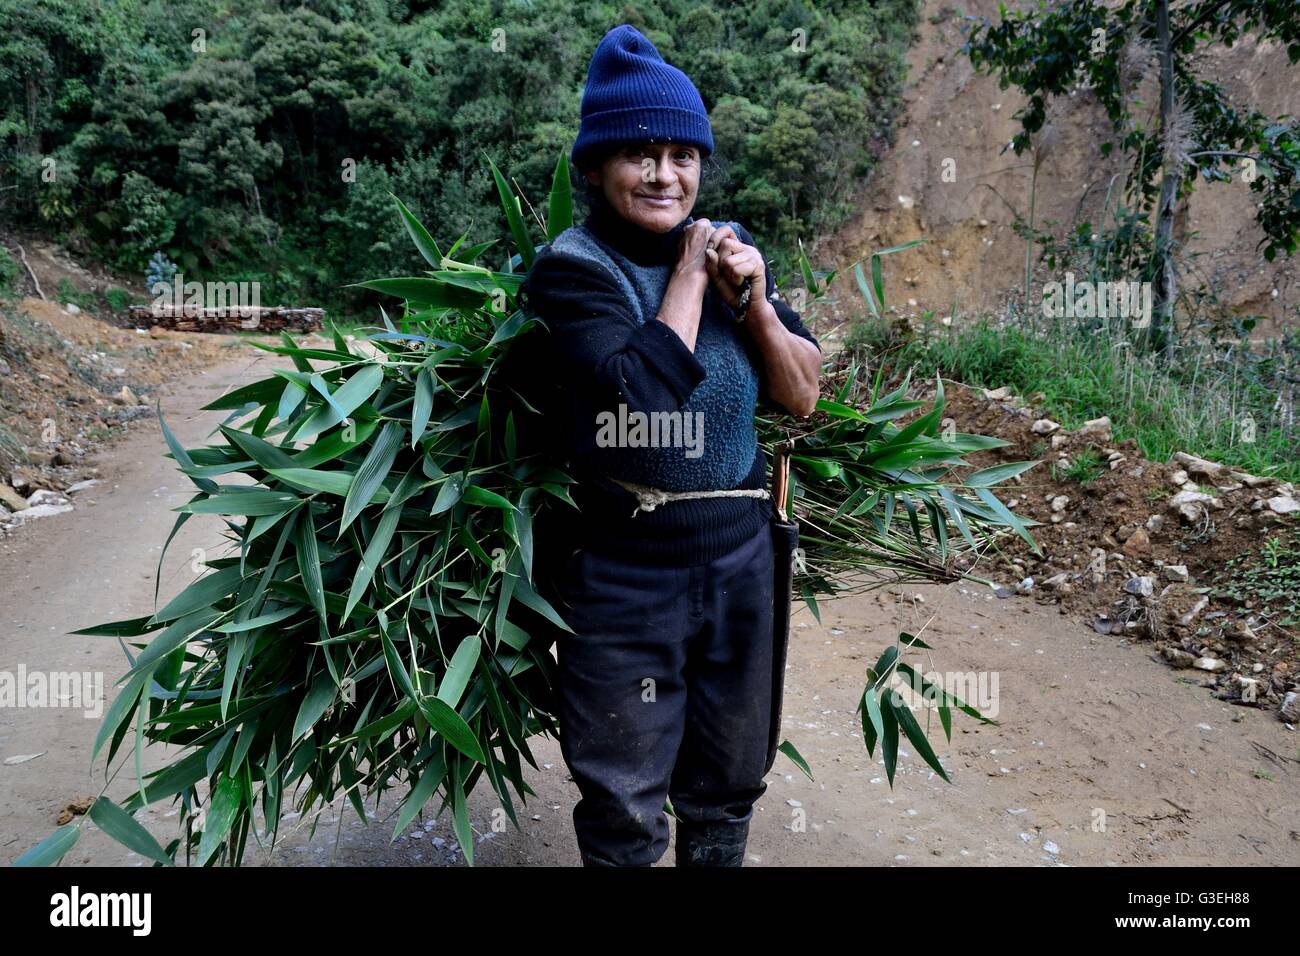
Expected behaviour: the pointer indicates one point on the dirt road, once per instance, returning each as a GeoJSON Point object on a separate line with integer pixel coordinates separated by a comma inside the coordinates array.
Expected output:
{"type": "Point", "coordinates": [1102, 756]}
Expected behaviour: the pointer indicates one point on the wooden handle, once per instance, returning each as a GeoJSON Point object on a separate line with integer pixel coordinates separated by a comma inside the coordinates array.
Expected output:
{"type": "Point", "coordinates": [781, 478]}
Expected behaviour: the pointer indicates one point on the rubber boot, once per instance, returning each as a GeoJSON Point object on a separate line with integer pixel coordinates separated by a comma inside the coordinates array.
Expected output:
{"type": "Point", "coordinates": [711, 844]}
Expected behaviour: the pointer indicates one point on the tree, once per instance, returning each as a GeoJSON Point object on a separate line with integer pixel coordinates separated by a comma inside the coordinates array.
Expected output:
{"type": "Point", "coordinates": [1198, 133]}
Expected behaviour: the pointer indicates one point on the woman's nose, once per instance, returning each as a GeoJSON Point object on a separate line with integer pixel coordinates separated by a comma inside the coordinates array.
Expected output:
{"type": "Point", "coordinates": [665, 175]}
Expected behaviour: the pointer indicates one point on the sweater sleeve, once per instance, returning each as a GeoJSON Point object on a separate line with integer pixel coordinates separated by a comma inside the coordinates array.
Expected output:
{"type": "Point", "coordinates": [596, 337]}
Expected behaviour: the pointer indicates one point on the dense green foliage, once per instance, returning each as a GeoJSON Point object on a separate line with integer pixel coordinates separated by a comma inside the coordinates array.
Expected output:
{"type": "Point", "coordinates": [266, 146]}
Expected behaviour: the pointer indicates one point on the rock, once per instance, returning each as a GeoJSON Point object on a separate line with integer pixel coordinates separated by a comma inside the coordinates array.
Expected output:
{"type": "Point", "coordinates": [71, 308]}
{"type": "Point", "coordinates": [1140, 586]}
{"type": "Point", "coordinates": [1290, 710]}
{"type": "Point", "coordinates": [1178, 478]}
{"type": "Point", "coordinates": [1155, 523]}
{"type": "Point", "coordinates": [83, 485]}
{"type": "Point", "coordinates": [1025, 586]}
{"type": "Point", "coordinates": [1060, 502]}
{"type": "Point", "coordinates": [1003, 592]}
{"type": "Point", "coordinates": [1098, 430]}
{"type": "Point", "coordinates": [1138, 544]}
{"type": "Point", "coordinates": [1125, 531]}
{"type": "Point", "coordinates": [46, 497]}
{"type": "Point", "coordinates": [1249, 687]}
{"type": "Point", "coordinates": [1198, 466]}
{"type": "Point", "coordinates": [997, 394]}
{"type": "Point", "coordinates": [1059, 439]}
{"type": "Point", "coordinates": [1044, 426]}
{"type": "Point", "coordinates": [1187, 619]}
{"type": "Point", "coordinates": [126, 396]}
{"type": "Point", "coordinates": [1211, 664]}
{"type": "Point", "coordinates": [1056, 580]}
{"type": "Point", "coordinates": [1251, 481]}
{"type": "Point", "coordinates": [1240, 632]}
{"type": "Point", "coordinates": [1283, 505]}
{"type": "Point", "coordinates": [12, 499]}
{"type": "Point", "coordinates": [1191, 513]}
{"type": "Point", "coordinates": [42, 511]}
{"type": "Point", "coordinates": [1176, 573]}
{"type": "Point", "coordinates": [1179, 657]}
{"type": "Point", "coordinates": [1189, 496]}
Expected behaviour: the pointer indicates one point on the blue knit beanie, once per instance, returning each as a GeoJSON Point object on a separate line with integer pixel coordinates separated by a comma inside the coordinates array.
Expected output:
{"type": "Point", "coordinates": [633, 95]}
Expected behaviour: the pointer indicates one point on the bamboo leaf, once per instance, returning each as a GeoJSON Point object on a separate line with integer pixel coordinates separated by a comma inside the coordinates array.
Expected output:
{"type": "Point", "coordinates": [126, 830]}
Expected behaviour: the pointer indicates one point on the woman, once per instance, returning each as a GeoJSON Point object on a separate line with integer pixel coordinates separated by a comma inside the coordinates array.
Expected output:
{"type": "Point", "coordinates": [665, 576]}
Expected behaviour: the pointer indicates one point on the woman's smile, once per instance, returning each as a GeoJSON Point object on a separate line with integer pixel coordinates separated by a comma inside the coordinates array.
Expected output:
{"type": "Point", "coordinates": [659, 202]}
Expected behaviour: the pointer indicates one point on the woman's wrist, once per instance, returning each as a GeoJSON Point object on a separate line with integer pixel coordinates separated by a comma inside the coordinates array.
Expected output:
{"type": "Point", "coordinates": [692, 278]}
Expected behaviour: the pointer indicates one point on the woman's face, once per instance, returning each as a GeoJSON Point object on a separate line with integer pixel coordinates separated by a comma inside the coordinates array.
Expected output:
{"type": "Point", "coordinates": [651, 184]}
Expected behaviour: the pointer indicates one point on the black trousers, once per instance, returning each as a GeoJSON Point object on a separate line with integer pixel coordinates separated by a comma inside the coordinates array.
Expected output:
{"type": "Point", "coordinates": [666, 691]}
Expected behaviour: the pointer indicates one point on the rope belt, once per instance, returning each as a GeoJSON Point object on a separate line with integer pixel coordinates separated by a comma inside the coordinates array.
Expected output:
{"type": "Point", "coordinates": [649, 498]}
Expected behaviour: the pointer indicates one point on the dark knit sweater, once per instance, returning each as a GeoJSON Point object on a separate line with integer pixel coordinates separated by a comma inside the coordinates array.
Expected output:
{"type": "Point", "coordinates": [598, 288]}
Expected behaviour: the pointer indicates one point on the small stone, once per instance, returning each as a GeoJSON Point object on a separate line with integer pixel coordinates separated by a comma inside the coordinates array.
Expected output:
{"type": "Point", "coordinates": [1179, 657]}
{"type": "Point", "coordinates": [1097, 429]}
{"type": "Point", "coordinates": [1196, 465]}
{"type": "Point", "coordinates": [45, 497]}
{"type": "Point", "coordinates": [1141, 586]}
{"type": "Point", "coordinates": [1176, 573]}
{"type": "Point", "coordinates": [1138, 544]}
{"type": "Point", "coordinates": [1044, 426]}
{"type": "Point", "coordinates": [1290, 709]}
{"type": "Point", "coordinates": [997, 394]}
{"type": "Point", "coordinates": [1212, 664]}
{"type": "Point", "coordinates": [1178, 478]}
{"type": "Point", "coordinates": [1283, 505]}
{"type": "Point", "coordinates": [1187, 619]}
{"type": "Point", "coordinates": [1189, 496]}
{"type": "Point", "coordinates": [11, 499]}
{"type": "Point", "coordinates": [126, 397]}
{"type": "Point", "coordinates": [1025, 586]}
{"type": "Point", "coordinates": [1155, 523]}
{"type": "Point", "coordinates": [1240, 632]}
{"type": "Point", "coordinates": [1060, 502]}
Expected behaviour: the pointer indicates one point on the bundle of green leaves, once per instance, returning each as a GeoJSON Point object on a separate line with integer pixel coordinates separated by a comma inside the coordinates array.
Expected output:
{"type": "Point", "coordinates": [377, 623]}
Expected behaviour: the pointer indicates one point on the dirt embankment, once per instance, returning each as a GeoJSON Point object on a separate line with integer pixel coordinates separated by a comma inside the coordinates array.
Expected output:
{"type": "Point", "coordinates": [69, 382]}
{"type": "Point", "coordinates": [959, 122]}
{"type": "Point", "coordinates": [1192, 556]}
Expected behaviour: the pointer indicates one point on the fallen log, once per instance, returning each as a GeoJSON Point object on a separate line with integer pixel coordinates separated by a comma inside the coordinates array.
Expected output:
{"type": "Point", "coordinates": [235, 319]}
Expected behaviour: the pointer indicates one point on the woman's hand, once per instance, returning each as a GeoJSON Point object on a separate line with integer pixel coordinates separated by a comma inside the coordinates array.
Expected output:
{"type": "Point", "coordinates": [730, 262]}
{"type": "Point", "coordinates": [691, 260]}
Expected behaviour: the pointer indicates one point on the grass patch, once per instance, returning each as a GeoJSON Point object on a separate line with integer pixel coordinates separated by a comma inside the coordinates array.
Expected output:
{"type": "Point", "coordinates": [1086, 467]}
{"type": "Point", "coordinates": [1224, 403]}
{"type": "Point", "coordinates": [68, 292]}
